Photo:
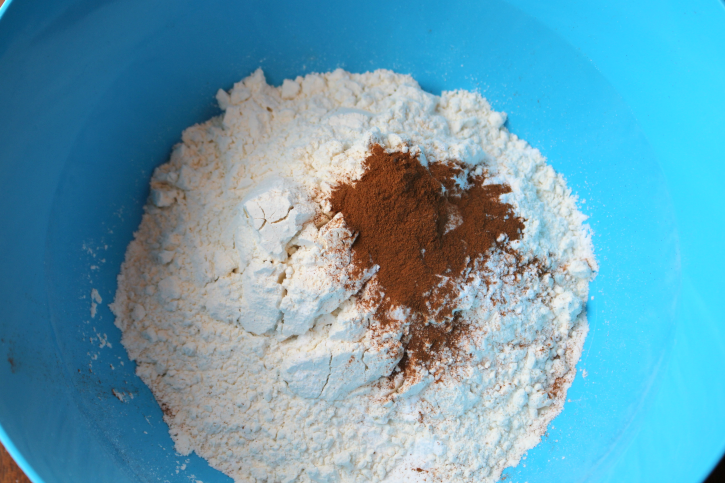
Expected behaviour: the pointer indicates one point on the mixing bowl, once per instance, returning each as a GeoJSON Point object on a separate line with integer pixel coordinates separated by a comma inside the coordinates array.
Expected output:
{"type": "Point", "coordinates": [626, 100]}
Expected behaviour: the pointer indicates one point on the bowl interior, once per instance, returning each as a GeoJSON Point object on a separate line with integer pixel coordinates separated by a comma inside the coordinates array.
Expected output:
{"type": "Point", "coordinates": [142, 80]}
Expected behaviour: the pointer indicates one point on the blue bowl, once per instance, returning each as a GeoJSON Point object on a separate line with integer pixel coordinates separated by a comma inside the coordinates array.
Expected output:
{"type": "Point", "coordinates": [627, 101]}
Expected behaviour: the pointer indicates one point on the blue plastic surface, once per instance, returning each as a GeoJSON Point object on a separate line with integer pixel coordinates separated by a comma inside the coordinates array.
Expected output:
{"type": "Point", "coordinates": [626, 101]}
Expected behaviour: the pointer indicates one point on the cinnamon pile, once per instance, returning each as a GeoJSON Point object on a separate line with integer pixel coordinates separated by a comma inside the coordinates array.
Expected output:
{"type": "Point", "coordinates": [425, 228]}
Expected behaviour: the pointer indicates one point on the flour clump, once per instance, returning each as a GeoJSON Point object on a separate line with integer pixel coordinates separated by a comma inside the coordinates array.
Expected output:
{"type": "Point", "coordinates": [346, 278]}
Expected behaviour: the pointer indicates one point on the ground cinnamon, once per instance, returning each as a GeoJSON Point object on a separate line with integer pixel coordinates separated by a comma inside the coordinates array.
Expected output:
{"type": "Point", "coordinates": [424, 227]}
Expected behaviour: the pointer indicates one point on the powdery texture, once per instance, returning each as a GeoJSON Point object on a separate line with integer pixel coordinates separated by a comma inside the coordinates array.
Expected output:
{"type": "Point", "coordinates": [240, 306]}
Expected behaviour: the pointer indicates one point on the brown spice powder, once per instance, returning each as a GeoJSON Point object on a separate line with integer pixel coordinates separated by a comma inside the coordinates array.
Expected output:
{"type": "Point", "coordinates": [424, 231]}
{"type": "Point", "coordinates": [430, 343]}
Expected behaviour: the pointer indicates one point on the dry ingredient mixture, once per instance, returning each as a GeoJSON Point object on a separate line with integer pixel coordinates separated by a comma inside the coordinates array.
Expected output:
{"type": "Point", "coordinates": [346, 278]}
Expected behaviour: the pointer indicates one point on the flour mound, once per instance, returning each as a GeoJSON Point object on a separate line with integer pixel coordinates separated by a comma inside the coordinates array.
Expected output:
{"type": "Point", "coordinates": [257, 334]}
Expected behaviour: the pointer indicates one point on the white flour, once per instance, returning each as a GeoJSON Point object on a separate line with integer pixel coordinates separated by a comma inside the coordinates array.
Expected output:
{"type": "Point", "coordinates": [247, 324]}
